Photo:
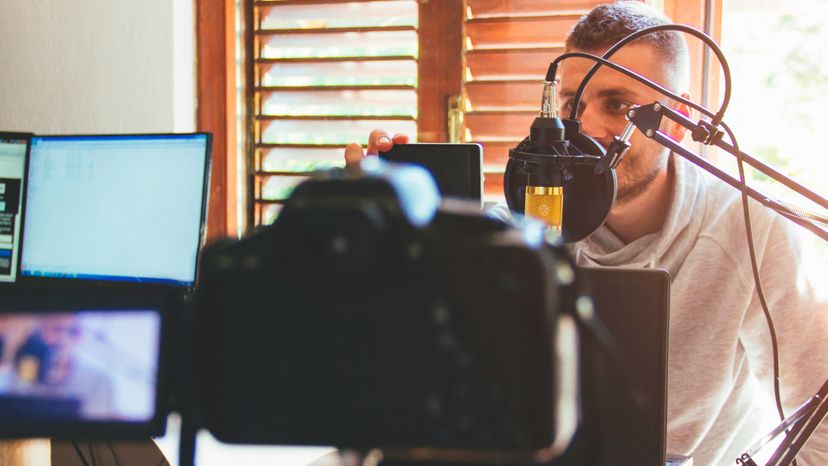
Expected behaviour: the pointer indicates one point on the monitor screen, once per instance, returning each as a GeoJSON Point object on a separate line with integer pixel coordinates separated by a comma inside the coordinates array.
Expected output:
{"type": "Point", "coordinates": [79, 366]}
{"type": "Point", "coordinates": [126, 208]}
{"type": "Point", "coordinates": [13, 149]}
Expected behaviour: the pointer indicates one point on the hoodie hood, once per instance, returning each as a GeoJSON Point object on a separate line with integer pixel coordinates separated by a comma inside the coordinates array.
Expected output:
{"type": "Point", "coordinates": [664, 249]}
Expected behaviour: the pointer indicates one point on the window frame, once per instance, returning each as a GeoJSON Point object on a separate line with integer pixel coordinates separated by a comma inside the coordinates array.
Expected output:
{"type": "Point", "coordinates": [440, 78]}
{"type": "Point", "coordinates": [216, 108]}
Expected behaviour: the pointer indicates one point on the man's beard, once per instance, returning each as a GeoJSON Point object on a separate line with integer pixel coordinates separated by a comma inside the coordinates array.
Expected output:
{"type": "Point", "coordinates": [631, 191]}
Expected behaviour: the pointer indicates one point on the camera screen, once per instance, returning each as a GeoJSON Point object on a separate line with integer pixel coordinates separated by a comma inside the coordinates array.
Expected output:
{"type": "Point", "coordinates": [87, 366]}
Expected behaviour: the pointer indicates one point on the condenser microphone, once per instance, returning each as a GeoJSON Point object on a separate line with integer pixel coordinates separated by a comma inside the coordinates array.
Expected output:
{"type": "Point", "coordinates": [553, 174]}
{"type": "Point", "coordinates": [543, 196]}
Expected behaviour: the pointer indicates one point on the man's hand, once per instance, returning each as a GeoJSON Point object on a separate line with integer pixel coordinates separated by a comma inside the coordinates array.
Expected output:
{"type": "Point", "coordinates": [378, 141]}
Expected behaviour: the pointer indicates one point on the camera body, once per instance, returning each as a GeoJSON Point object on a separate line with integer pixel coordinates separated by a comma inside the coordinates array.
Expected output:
{"type": "Point", "coordinates": [369, 315]}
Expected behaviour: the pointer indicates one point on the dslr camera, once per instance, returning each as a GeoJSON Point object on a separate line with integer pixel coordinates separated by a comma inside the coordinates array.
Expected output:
{"type": "Point", "coordinates": [371, 315]}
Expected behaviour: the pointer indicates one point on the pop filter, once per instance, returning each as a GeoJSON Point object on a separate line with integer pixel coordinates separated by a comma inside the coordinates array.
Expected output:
{"type": "Point", "coordinates": [568, 162]}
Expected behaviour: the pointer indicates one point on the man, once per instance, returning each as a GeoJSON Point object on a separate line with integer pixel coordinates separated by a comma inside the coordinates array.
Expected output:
{"type": "Point", "coordinates": [671, 215]}
{"type": "Point", "coordinates": [47, 365]}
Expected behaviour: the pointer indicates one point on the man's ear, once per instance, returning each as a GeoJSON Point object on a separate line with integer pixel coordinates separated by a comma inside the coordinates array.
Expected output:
{"type": "Point", "coordinates": [675, 130]}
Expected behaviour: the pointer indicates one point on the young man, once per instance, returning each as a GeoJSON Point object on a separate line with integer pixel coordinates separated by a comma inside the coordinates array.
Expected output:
{"type": "Point", "coordinates": [671, 215]}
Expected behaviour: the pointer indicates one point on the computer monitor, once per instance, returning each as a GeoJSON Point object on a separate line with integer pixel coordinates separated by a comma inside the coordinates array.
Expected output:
{"type": "Point", "coordinates": [14, 148]}
{"type": "Point", "coordinates": [117, 207]}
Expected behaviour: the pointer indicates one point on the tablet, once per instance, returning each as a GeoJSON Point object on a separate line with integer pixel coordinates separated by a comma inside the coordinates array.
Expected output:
{"type": "Point", "coordinates": [457, 168]}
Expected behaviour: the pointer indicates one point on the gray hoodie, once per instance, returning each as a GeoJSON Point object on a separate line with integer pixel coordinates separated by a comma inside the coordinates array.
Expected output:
{"type": "Point", "coordinates": [720, 388]}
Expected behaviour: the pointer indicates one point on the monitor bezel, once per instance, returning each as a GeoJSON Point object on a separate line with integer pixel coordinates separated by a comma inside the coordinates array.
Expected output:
{"type": "Point", "coordinates": [23, 190]}
{"type": "Point", "coordinates": [27, 299]}
{"type": "Point", "coordinates": [46, 280]}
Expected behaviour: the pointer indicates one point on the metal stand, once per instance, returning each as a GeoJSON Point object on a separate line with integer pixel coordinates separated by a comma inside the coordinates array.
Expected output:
{"type": "Point", "coordinates": [800, 434]}
{"type": "Point", "coordinates": [187, 443]}
{"type": "Point", "coordinates": [797, 422]}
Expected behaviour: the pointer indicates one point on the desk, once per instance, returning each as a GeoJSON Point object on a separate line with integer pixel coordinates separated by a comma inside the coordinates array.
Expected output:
{"type": "Point", "coordinates": [334, 459]}
{"type": "Point", "coordinates": [26, 452]}
{"type": "Point", "coordinates": [45, 452]}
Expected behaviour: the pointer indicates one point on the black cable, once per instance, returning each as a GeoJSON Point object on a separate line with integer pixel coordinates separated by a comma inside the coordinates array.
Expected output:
{"type": "Point", "coordinates": [650, 30]}
{"type": "Point", "coordinates": [114, 454]}
{"type": "Point", "coordinates": [755, 268]}
{"type": "Point", "coordinates": [79, 453]}
{"type": "Point", "coordinates": [550, 76]}
{"type": "Point", "coordinates": [92, 453]}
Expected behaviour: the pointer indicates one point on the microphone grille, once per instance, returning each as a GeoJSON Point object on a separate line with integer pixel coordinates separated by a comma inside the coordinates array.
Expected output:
{"type": "Point", "coordinates": [545, 203]}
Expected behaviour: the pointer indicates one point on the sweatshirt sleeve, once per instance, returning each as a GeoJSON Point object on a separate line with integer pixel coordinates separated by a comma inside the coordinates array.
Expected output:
{"type": "Point", "coordinates": [801, 322]}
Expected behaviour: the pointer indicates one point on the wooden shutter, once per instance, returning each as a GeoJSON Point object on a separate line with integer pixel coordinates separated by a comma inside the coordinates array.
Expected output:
{"type": "Point", "coordinates": [325, 73]}
{"type": "Point", "coordinates": [508, 45]}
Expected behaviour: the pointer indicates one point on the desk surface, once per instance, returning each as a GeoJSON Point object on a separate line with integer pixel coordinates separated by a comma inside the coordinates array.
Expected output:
{"type": "Point", "coordinates": [334, 459]}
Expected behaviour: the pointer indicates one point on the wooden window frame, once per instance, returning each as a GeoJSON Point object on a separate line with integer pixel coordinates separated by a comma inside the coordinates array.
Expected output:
{"type": "Point", "coordinates": [216, 108]}
{"type": "Point", "coordinates": [440, 68]}
{"type": "Point", "coordinates": [440, 72]}
{"type": "Point", "coordinates": [705, 15]}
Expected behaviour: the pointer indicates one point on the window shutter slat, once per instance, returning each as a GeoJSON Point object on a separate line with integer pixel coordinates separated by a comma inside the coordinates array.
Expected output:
{"type": "Point", "coordinates": [529, 63]}
{"type": "Point", "coordinates": [543, 31]}
{"type": "Point", "coordinates": [339, 73]}
{"type": "Point", "coordinates": [483, 8]}
{"type": "Point", "coordinates": [499, 125]}
{"type": "Point", "coordinates": [519, 93]}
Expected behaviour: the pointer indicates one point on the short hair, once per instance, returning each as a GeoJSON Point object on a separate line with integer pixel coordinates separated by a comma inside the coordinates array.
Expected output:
{"type": "Point", "coordinates": [607, 24]}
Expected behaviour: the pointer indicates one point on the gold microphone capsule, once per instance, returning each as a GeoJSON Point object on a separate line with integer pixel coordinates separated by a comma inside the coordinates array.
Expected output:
{"type": "Point", "coordinates": [545, 203]}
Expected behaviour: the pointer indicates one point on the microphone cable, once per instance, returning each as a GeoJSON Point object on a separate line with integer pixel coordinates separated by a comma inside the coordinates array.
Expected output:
{"type": "Point", "coordinates": [756, 278]}
{"type": "Point", "coordinates": [717, 118]}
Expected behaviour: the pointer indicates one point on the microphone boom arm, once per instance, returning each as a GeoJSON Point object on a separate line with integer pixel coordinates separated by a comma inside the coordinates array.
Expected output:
{"type": "Point", "coordinates": [647, 118]}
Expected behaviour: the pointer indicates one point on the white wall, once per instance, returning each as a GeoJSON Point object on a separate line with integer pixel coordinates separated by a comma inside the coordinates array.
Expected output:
{"type": "Point", "coordinates": [96, 66]}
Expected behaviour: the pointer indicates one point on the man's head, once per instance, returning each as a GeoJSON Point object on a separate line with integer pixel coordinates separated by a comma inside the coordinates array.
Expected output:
{"type": "Point", "coordinates": [607, 24]}
{"type": "Point", "coordinates": [661, 57]}
{"type": "Point", "coordinates": [61, 332]}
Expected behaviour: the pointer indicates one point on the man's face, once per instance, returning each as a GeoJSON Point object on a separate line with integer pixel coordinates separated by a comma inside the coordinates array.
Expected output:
{"type": "Point", "coordinates": [61, 331]}
{"type": "Point", "coordinates": [603, 108]}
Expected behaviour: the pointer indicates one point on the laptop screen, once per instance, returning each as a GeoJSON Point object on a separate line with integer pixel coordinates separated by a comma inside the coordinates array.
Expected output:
{"type": "Point", "coordinates": [13, 150]}
{"type": "Point", "coordinates": [125, 208]}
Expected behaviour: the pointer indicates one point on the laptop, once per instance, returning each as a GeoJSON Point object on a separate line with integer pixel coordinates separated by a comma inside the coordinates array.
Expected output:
{"type": "Point", "coordinates": [634, 307]}
{"type": "Point", "coordinates": [115, 208]}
